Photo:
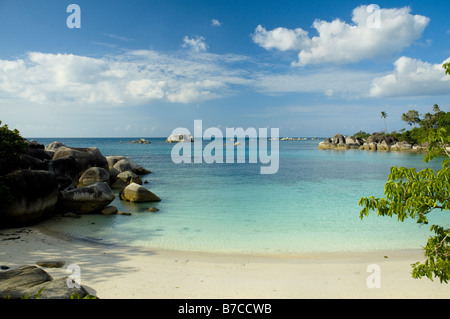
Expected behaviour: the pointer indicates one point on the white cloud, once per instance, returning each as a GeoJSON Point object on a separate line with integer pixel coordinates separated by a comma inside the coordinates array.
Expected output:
{"type": "Point", "coordinates": [216, 23]}
{"type": "Point", "coordinates": [197, 44]}
{"type": "Point", "coordinates": [133, 78]}
{"type": "Point", "coordinates": [281, 38]}
{"type": "Point", "coordinates": [412, 77]}
{"type": "Point", "coordinates": [341, 42]}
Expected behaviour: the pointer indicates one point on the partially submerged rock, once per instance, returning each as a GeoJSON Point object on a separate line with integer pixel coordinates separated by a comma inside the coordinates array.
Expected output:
{"type": "Point", "coordinates": [136, 193]}
{"type": "Point", "coordinates": [109, 210]}
{"type": "Point", "coordinates": [124, 179]}
{"type": "Point", "coordinates": [126, 164]}
{"type": "Point", "coordinates": [87, 199]}
{"type": "Point", "coordinates": [140, 141]}
{"type": "Point", "coordinates": [93, 175]}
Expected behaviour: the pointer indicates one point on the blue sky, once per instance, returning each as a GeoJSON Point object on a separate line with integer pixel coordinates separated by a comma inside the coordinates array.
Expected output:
{"type": "Point", "coordinates": [143, 68]}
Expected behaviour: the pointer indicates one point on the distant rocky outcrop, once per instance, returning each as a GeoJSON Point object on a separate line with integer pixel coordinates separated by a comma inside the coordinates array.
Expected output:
{"type": "Point", "coordinates": [140, 141]}
{"type": "Point", "coordinates": [340, 142]}
{"type": "Point", "coordinates": [375, 142]}
{"type": "Point", "coordinates": [176, 138]}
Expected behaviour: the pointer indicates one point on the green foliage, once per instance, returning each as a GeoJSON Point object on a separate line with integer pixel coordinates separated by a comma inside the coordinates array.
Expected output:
{"type": "Point", "coordinates": [77, 296]}
{"type": "Point", "coordinates": [430, 123]}
{"type": "Point", "coordinates": [411, 117]}
{"type": "Point", "coordinates": [12, 145]}
{"type": "Point", "coordinates": [37, 296]}
{"type": "Point", "coordinates": [362, 135]}
{"type": "Point", "coordinates": [412, 194]}
{"type": "Point", "coordinates": [446, 66]}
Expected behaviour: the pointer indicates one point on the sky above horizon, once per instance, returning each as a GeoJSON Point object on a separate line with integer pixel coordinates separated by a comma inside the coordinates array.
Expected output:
{"type": "Point", "coordinates": [144, 68]}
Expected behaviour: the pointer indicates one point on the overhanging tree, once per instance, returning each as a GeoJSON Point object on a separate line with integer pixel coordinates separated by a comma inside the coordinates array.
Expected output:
{"type": "Point", "coordinates": [412, 194]}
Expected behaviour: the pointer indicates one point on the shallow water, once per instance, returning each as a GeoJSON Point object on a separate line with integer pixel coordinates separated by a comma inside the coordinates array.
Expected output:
{"type": "Point", "coordinates": [310, 205]}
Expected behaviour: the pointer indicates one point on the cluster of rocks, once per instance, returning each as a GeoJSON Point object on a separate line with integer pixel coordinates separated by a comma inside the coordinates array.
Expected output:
{"type": "Point", "coordinates": [33, 282]}
{"type": "Point", "coordinates": [58, 178]}
{"type": "Point", "coordinates": [375, 142]}
{"type": "Point", "coordinates": [141, 141]}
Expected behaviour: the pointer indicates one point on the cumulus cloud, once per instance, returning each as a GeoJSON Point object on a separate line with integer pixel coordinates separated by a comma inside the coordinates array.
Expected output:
{"type": "Point", "coordinates": [197, 44]}
{"type": "Point", "coordinates": [281, 38]}
{"type": "Point", "coordinates": [133, 78]}
{"type": "Point", "coordinates": [372, 34]}
{"type": "Point", "coordinates": [412, 77]}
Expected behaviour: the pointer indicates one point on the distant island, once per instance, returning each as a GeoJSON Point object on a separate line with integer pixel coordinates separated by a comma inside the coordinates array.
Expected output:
{"type": "Point", "coordinates": [414, 140]}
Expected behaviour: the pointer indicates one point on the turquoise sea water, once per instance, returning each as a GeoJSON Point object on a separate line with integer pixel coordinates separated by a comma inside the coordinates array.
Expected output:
{"type": "Point", "coordinates": [310, 205]}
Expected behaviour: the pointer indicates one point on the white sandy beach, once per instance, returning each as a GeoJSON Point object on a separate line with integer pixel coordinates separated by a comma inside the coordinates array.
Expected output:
{"type": "Point", "coordinates": [112, 272]}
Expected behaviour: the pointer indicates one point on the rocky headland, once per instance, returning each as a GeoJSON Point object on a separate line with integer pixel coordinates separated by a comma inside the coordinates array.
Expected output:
{"type": "Point", "coordinates": [375, 142]}
{"type": "Point", "coordinates": [67, 180]}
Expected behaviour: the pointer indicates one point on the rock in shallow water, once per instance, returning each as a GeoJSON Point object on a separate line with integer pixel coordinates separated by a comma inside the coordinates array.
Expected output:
{"type": "Point", "coordinates": [87, 199]}
{"type": "Point", "coordinates": [136, 193]}
{"type": "Point", "coordinates": [110, 210]}
{"type": "Point", "coordinates": [93, 175]}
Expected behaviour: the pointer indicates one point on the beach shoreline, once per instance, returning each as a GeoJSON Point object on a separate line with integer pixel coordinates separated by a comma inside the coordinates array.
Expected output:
{"type": "Point", "coordinates": [125, 272]}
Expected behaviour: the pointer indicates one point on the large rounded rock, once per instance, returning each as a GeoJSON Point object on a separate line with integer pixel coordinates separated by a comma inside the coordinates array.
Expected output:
{"type": "Point", "coordinates": [401, 146]}
{"type": "Point", "coordinates": [136, 193]}
{"type": "Point", "coordinates": [29, 281]}
{"type": "Point", "coordinates": [124, 179]}
{"type": "Point", "coordinates": [380, 137]}
{"type": "Point", "coordinates": [32, 144]}
{"type": "Point", "coordinates": [87, 199]}
{"type": "Point", "coordinates": [84, 157]}
{"type": "Point", "coordinates": [123, 165]}
{"type": "Point", "coordinates": [29, 162]}
{"type": "Point", "coordinates": [338, 139]}
{"type": "Point", "coordinates": [93, 175]}
{"type": "Point", "coordinates": [35, 195]}
{"type": "Point", "coordinates": [53, 147]}
{"type": "Point", "coordinates": [66, 170]}
{"type": "Point", "coordinates": [133, 166]}
{"type": "Point", "coordinates": [40, 154]}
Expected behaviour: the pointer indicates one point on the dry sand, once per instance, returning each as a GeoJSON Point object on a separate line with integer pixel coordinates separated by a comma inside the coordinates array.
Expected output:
{"type": "Point", "coordinates": [120, 272]}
